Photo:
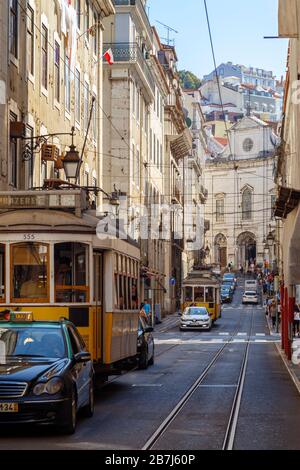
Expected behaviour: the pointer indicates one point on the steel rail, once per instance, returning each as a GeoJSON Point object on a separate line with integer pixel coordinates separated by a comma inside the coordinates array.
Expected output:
{"type": "Point", "coordinates": [229, 438]}
{"type": "Point", "coordinates": [184, 400]}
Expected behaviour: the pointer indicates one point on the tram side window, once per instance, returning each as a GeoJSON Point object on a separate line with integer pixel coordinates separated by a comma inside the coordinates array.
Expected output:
{"type": "Point", "coordinates": [30, 272]}
{"type": "Point", "coordinates": [209, 294]}
{"type": "Point", "coordinates": [189, 294]}
{"type": "Point", "coordinates": [2, 273]}
{"type": "Point", "coordinates": [199, 294]}
{"type": "Point", "coordinates": [126, 285]}
{"type": "Point", "coordinates": [71, 273]}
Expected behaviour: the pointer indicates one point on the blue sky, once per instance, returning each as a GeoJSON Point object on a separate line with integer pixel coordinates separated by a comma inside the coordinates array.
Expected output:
{"type": "Point", "coordinates": [238, 28]}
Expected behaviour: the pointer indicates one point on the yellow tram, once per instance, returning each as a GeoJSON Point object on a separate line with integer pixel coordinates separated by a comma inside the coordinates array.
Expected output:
{"type": "Point", "coordinates": [53, 264]}
{"type": "Point", "coordinates": [201, 288]}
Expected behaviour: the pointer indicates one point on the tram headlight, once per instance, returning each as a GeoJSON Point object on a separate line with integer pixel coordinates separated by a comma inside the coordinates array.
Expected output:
{"type": "Point", "coordinates": [52, 387]}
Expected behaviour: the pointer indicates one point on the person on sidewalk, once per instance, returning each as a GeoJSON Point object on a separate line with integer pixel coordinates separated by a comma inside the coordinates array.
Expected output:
{"type": "Point", "coordinates": [273, 313]}
{"type": "Point", "coordinates": [296, 320]}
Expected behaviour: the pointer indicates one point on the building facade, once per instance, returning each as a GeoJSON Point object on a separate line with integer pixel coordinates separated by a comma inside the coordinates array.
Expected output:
{"type": "Point", "coordinates": [288, 166]}
{"type": "Point", "coordinates": [51, 88]}
{"type": "Point", "coordinates": [241, 195]}
{"type": "Point", "coordinates": [250, 75]}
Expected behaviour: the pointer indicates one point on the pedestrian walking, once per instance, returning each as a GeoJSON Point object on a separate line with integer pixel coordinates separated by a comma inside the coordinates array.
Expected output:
{"type": "Point", "coordinates": [296, 320]}
{"type": "Point", "coordinates": [273, 313]}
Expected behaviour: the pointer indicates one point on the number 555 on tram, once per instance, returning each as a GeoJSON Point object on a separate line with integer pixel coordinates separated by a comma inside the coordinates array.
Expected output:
{"type": "Point", "coordinates": [53, 264]}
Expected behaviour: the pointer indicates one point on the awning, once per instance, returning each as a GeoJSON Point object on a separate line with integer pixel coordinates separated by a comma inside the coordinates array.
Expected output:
{"type": "Point", "coordinates": [287, 200]}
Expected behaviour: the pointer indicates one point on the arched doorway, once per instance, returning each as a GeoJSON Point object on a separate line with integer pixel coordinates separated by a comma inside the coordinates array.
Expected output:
{"type": "Point", "coordinates": [221, 250]}
{"type": "Point", "coordinates": [247, 252]}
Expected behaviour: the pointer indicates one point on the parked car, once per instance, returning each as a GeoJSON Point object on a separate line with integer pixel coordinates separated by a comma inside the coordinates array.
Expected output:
{"type": "Point", "coordinates": [230, 277]}
{"type": "Point", "coordinates": [145, 345]}
{"type": "Point", "coordinates": [226, 294]}
{"type": "Point", "coordinates": [250, 297]}
{"type": "Point", "coordinates": [229, 285]}
{"type": "Point", "coordinates": [47, 374]}
{"type": "Point", "coordinates": [196, 318]}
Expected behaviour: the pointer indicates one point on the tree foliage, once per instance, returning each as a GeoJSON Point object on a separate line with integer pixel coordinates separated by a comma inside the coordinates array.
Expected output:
{"type": "Point", "coordinates": [189, 80]}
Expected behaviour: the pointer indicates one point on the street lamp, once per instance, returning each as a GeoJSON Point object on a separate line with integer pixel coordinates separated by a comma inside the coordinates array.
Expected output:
{"type": "Point", "coordinates": [71, 161]}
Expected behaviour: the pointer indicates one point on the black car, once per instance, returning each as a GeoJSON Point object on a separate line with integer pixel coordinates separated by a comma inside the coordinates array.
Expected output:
{"type": "Point", "coordinates": [46, 373]}
{"type": "Point", "coordinates": [145, 345]}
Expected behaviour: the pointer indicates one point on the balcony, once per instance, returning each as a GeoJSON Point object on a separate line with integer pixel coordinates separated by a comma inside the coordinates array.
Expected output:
{"type": "Point", "coordinates": [130, 53]}
{"type": "Point", "coordinates": [139, 6]}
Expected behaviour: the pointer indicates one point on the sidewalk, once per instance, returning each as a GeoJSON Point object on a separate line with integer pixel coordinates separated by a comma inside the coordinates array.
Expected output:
{"type": "Point", "coordinates": [293, 370]}
{"type": "Point", "coordinates": [168, 322]}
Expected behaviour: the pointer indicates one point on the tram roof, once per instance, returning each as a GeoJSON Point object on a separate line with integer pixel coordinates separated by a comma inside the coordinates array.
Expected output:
{"type": "Point", "coordinates": [50, 221]}
{"type": "Point", "coordinates": [45, 220]}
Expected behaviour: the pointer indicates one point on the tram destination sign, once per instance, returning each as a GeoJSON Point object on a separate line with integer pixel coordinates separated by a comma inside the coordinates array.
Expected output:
{"type": "Point", "coordinates": [42, 200]}
{"type": "Point", "coordinates": [12, 202]}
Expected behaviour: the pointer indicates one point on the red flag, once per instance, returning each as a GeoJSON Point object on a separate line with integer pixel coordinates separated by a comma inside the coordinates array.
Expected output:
{"type": "Point", "coordinates": [108, 55]}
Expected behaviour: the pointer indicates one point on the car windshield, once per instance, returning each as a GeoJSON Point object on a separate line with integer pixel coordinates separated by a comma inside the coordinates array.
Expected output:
{"type": "Point", "coordinates": [196, 311]}
{"type": "Point", "coordinates": [30, 342]}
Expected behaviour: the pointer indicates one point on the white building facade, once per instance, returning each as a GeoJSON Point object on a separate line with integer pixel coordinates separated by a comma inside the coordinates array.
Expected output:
{"type": "Point", "coordinates": [241, 196]}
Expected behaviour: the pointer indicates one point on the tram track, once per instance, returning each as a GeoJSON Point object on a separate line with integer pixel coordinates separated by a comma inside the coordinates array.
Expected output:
{"type": "Point", "coordinates": [228, 441]}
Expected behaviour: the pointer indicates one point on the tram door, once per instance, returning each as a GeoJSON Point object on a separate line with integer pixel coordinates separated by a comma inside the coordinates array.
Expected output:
{"type": "Point", "coordinates": [98, 299]}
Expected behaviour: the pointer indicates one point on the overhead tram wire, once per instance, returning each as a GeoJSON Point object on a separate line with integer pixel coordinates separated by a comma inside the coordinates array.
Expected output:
{"type": "Point", "coordinates": [221, 101]}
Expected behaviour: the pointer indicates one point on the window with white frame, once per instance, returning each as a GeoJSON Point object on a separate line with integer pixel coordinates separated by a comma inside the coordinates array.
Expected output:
{"type": "Point", "coordinates": [77, 95]}
{"type": "Point", "coordinates": [30, 162]}
{"type": "Point", "coordinates": [247, 197]}
{"type": "Point", "coordinates": [86, 105]}
{"type": "Point", "coordinates": [13, 27]}
{"type": "Point", "coordinates": [13, 156]}
{"type": "Point", "coordinates": [30, 40]}
{"type": "Point", "coordinates": [220, 209]}
{"type": "Point", "coordinates": [67, 85]}
{"type": "Point", "coordinates": [57, 71]}
{"type": "Point", "coordinates": [45, 56]}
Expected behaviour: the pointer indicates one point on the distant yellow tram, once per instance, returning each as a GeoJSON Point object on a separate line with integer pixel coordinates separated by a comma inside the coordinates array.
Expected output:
{"type": "Point", "coordinates": [53, 264]}
{"type": "Point", "coordinates": [201, 288]}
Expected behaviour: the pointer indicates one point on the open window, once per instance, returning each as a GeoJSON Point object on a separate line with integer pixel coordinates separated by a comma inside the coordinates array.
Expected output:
{"type": "Point", "coordinates": [30, 272]}
{"type": "Point", "coordinates": [71, 273]}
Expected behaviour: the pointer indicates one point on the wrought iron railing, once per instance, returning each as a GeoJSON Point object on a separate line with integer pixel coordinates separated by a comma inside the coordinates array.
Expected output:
{"type": "Point", "coordinates": [131, 53]}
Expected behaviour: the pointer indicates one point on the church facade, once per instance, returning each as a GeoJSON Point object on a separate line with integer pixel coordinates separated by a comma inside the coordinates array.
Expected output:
{"type": "Point", "coordinates": [242, 193]}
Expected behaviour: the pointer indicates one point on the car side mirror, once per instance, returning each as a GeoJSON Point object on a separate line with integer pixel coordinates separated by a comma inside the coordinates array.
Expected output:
{"type": "Point", "coordinates": [82, 356]}
{"type": "Point", "coordinates": [149, 329]}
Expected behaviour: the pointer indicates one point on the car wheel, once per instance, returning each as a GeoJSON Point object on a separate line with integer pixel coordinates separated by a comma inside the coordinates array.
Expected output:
{"type": "Point", "coordinates": [89, 409]}
{"type": "Point", "coordinates": [151, 361]}
{"type": "Point", "coordinates": [143, 360]}
{"type": "Point", "coordinates": [70, 427]}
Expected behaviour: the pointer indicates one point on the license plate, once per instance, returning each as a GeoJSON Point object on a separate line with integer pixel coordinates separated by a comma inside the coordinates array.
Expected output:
{"type": "Point", "coordinates": [9, 407]}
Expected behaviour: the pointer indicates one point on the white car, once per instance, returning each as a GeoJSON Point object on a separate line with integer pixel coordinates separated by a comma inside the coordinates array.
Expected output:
{"type": "Point", "coordinates": [250, 297]}
{"type": "Point", "coordinates": [196, 318]}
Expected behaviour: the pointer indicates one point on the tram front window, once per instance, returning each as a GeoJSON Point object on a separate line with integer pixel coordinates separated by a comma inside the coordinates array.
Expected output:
{"type": "Point", "coordinates": [188, 294]}
{"type": "Point", "coordinates": [30, 272]}
{"type": "Point", "coordinates": [199, 294]}
{"type": "Point", "coordinates": [71, 278]}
